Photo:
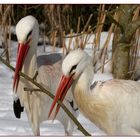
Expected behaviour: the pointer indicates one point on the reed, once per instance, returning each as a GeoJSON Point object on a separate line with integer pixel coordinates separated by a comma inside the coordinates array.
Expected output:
{"type": "Point", "coordinates": [134, 52]}
{"type": "Point", "coordinates": [5, 22]}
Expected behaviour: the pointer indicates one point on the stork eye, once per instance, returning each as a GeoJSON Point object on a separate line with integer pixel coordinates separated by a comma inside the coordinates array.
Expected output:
{"type": "Point", "coordinates": [29, 34]}
{"type": "Point", "coordinates": [73, 68]}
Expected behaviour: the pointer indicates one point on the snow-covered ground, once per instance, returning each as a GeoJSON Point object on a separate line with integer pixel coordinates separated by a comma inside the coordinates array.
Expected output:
{"type": "Point", "coordinates": [11, 126]}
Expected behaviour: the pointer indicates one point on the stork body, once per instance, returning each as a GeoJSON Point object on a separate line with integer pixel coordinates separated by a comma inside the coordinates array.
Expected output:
{"type": "Point", "coordinates": [37, 104]}
{"type": "Point", "coordinates": [113, 105]}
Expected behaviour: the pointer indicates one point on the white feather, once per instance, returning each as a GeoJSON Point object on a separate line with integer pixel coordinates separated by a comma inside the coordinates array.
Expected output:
{"type": "Point", "coordinates": [113, 105]}
{"type": "Point", "coordinates": [37, 104]}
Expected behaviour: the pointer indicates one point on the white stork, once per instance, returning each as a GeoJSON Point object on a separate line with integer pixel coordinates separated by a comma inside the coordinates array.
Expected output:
{"type": "Point", "coordinates": [37, 104]}
{"type": "Point", "coordinates": [113, 105]}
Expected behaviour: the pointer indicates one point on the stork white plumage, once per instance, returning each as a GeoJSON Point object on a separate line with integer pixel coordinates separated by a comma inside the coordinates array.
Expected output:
{"type": "Point", "coordinates": [37, 104]}
{"type": "Point", "coordinates": [114, 105]}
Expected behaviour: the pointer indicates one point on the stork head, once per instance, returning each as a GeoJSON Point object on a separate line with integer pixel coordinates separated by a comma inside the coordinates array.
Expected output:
{"type": "Point", "coordinates": [27, 30]}
{"type": "Point", "coordinates": [72, 67]}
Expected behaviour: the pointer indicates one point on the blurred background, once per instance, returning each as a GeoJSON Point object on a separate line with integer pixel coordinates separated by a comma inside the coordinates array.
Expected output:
{"type": "Point", "coordinates": [80, 22]}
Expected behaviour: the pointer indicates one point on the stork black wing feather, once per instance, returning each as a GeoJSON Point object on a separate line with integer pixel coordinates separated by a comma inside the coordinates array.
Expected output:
{"type": "Point", "coordinates": [17, 108]}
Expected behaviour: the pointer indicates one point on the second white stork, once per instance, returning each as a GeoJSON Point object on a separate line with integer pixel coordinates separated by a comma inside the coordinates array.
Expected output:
{"type": "Point", "coordinates": [113, 105]}
{"type": "Point", "coordinates": [37, 104]}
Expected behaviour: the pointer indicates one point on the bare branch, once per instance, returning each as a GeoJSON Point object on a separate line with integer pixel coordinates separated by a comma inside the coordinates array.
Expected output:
{"type": "Point", "coordinates": [42, 89]}
{"type": "Point", "coordinates": [116, 23]}
{"type": "Point", "coordinates": [31, 89]}
{"type": "Point", "coordinates": [133, 8]}
{"type": "Point", "coordinates": [131, 29]}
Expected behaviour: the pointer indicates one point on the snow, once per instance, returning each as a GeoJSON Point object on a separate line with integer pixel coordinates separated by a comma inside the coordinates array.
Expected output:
{"type": "Point", "coordinates": [90, 41]}
{"type": "Point", "coordinates": [11, 126]}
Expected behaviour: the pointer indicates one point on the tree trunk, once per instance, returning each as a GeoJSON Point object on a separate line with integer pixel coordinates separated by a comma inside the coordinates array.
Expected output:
{"type": "Point", "coordinates": [122, 41]}
{"type": "Point", "coordinates": [121, 61]}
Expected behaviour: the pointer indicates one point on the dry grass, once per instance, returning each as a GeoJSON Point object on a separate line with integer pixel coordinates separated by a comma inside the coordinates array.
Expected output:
{"type": "Point", "coordinates": [60, 28]}
{"type": "Point", "coordinates": [135, 47]}
{"type": "Point", "coordinates": [99, 27]}
{"type": "Point", "coordinates": [5, 22]}
{"type": "Point", "coordinates": [106, 44]}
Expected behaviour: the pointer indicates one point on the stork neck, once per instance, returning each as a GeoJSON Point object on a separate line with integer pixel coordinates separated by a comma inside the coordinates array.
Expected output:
{"type": "Point", "coordinates": [30, 62]}
{"type": "Point", "coordinates": [93, 108]}
{"type": "Point", "coordinates": [85, 79]}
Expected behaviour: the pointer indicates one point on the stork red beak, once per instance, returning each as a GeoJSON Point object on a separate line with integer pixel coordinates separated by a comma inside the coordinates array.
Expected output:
{"type": "Point", "coordinates": [21, 54]}
{"type": "Point", "coordinates": [64, 85]}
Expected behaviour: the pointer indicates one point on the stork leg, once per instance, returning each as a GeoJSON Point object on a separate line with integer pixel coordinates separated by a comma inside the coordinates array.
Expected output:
{"type": "Point", "coordinates": [35, 118]}
{"type": "Point", "coordinates": [70, 128]}
{"type": "Point", "coordinates": [35, 125]}
{"type": "Point", "coordinates": [67, 133]}
{"type": "Point", "coordinates": [36, 132]}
